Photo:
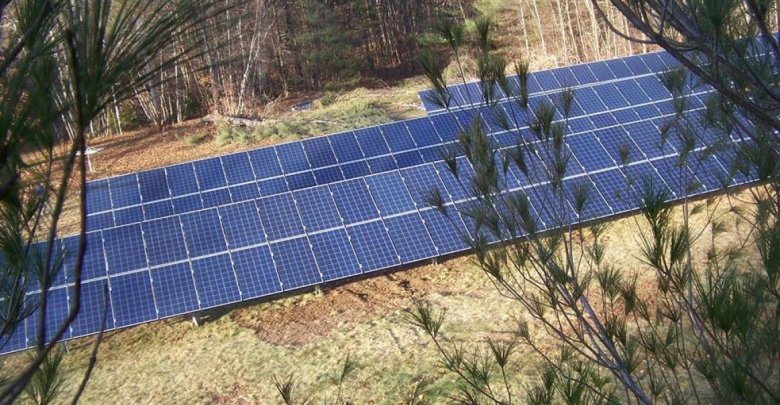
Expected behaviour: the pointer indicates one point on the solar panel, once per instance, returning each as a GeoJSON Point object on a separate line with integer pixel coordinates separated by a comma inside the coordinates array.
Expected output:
{"type": "Point", "coordinates": [201, 234]}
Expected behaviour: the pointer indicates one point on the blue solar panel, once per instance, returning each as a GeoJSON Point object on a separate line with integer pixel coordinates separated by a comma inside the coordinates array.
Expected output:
{"type": "Point", "coordinates": [15, 339]}
{"type": "Point", "coordinates": [93, 302]}
{"type": "Point", "coordinates": [317, 208]}
{"type": "Point", "coordinates": [423, 132]}
{"type": "Point", "coordinates": [210, 174]}
{"type": "Point", "coordinates": [654, 62]}
{"type": "Point", "coordinates": [410, 237]}
{"type": "Point", "coordinates": [241, 224]}
{"type": "Point", "coordinates": [619, 145]}
{"type": "Point", "coordinates": [653, 87]}
{"type": "Point", "coordinates": [610, 96]}
{"type": "Point", "coordinates": [446, 127]}
{"type": "Point", "coordinates": [128, 216]}
{"type": "Point", "coordinates": [677, 177]}
{"type": "Point", "coordinates": [565, 77]}
{"type": "Point", "coordinates": [372, 142]}
{"type": "Point", "coordinates": [132, 299]}
{"type": "Point", "coordinates": [280, 217]}
{"type": "Point", "coordinates": [601, 71]}
{"type": "Point", "coordinates": [186, 204]}
{"type": "Point", "coordinates": [355, 169]}
{"type": "Point", "coordinates": [615, 189]}
{"type": "Point", "coordinates": [273, 186]}
{"type": "Point", "coordinates": [603, 120]}
{"type": "Point", "coordinates": [215, 281]}
{"type": "Point", "coordinates": [420, 181]}
{"type": "Point", "coordinates": [648, 139]}
{"type": "Point", "coordinates": [295, 263]}
{"type": "Point", "coordinates": [238, 168]}
{"type": "Point", "coordinates": [154, 185]}
{"type": "Point", "coordinates": [69, 246]}
{"type": "Point", "coordinates": [452, 185]}
{"type": "Point", "coordinates": [354, 201]}
{"type": "Point", "coordinates": [408, 159]}
{"type": "Point", "coordinates": [203, 233]}
{"type": "Point", "coordinates": [174, 289]}
{"type": "Point", "coordinates": [390, 193]}
{"type": "Point", "coordinates": [244, 192]}
{"type": "Point", "coordinates": [98, 196]}
{"type": "Point", "coordinates": [100, 221]}
{"type": "Point", "coordinates": [301, 180]}
{"type": "Point", "coordinates": [589, 101]}
{"type": "Point", "coordinates": [164, 241]}
{"type": "Point", "coordinates": [373, 247]}
{"type": "Point", "coordinates": [590, 152]}
{"type": "Point", "coordinates": [594, 204]}
{"type": "Point", "coordinates": [265, 164]}
{"type": "Point", "coordinates": [158, 209]}
{"type": "Point", "coordinates": [577, 125]}
{"type": "Point", "coordinates": [636, 65]}
{"type": "Point", "coordinates": [432, 154]}
{"type": "Point", "coordinates": [181, 179]}
{"type": "Point", "coordinates": [631, 91]}
{"type": "Point", "coordinates": [346, 147]}
{"type": "Point", "coordinates": [648, 110]}
{"type": "Point", "coordinates": [618, 68]}
{"type": "Point", "coordinates": [56, 312]}
{"type": "Point", "coordinates": [381, 164]}
{"type": "Point", "coordinates": [583, 74]}
{"type": "Point", "coordinates": [94, 259]}
{"type": "Point", "coordinates": [256, 272]}
{"type": "Point", "coordinates": [215, 198]}
{"type": "Point", "coordinates": [319, 152]}
{"type": "Point", "coordinates": [334, 254]}
{"type": "Point", "coordinates": [545, 79]}
{"type": "Point", "coordinates": [709, 173]}
{"type": "Point", "coordinates": [447, 232]}
{"type": "Point", "coordinates": [292, 157]}
{"type": "Point", "coordinates": [124, 248]}
{"type": "Point", "coordinates": [328, 175]}
{"type": "Point", "coordinates": [643, 176]}
{"type": "Point", "coordinates": [625, 115]}
{"type": "Point", "coordinates": [124, 191]}
{"type": "Point", "coordinates": [398, 137]}
{"type": "Point", "coordinates": [466, 118]}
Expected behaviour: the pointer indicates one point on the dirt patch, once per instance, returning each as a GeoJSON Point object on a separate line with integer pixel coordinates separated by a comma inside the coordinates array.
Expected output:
{"type": "Point", "coordinates": [232, 397]}
{"type": "Point", "coordinates": [316, 316]}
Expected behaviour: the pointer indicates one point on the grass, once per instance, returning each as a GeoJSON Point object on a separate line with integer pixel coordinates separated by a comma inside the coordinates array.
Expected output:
{"type": "Point", "coordinates": [193, 140]}
{"type": "Point", "coordinates": [333, 112]}
{"type": "Point", "coordinates": [207, 363]}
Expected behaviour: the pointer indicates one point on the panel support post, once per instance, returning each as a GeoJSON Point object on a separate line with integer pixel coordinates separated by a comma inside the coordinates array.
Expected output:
{"type": "Point", "coordinates": [195, 320]}
{"type": "Point", "coordinates": [318, 290]}
{"type": "Point", "coordinates": [435, 261]}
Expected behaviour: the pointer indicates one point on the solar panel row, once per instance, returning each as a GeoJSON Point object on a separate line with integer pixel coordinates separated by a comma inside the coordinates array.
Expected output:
{"type": "Point", "coordinates": [269, 171]}
{"type": "Point", "coordinates": [254, 246]}
{"type": "Point", "coordinates": [546, 81]}
{"type": "Point", "coordinates": [470, 94]}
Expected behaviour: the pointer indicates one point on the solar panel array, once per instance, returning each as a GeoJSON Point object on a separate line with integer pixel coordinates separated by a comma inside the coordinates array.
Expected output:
{"type": "Point", "coordinates": [207, 233]}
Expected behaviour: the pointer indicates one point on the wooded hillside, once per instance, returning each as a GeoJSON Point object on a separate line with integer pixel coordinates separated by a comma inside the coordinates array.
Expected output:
{"type": "Point", "coordinates": [266, 50]}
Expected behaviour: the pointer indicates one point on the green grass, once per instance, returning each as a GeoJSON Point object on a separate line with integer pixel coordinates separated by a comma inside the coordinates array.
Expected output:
{"type": "Point", "coordinates": [335, 112]}
{"type": "Point", "coordinates": [193, 140]}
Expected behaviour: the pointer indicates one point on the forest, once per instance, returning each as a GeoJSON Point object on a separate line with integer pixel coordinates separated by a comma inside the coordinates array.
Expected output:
{"type": "Point", "coordinates": [264, 51]}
